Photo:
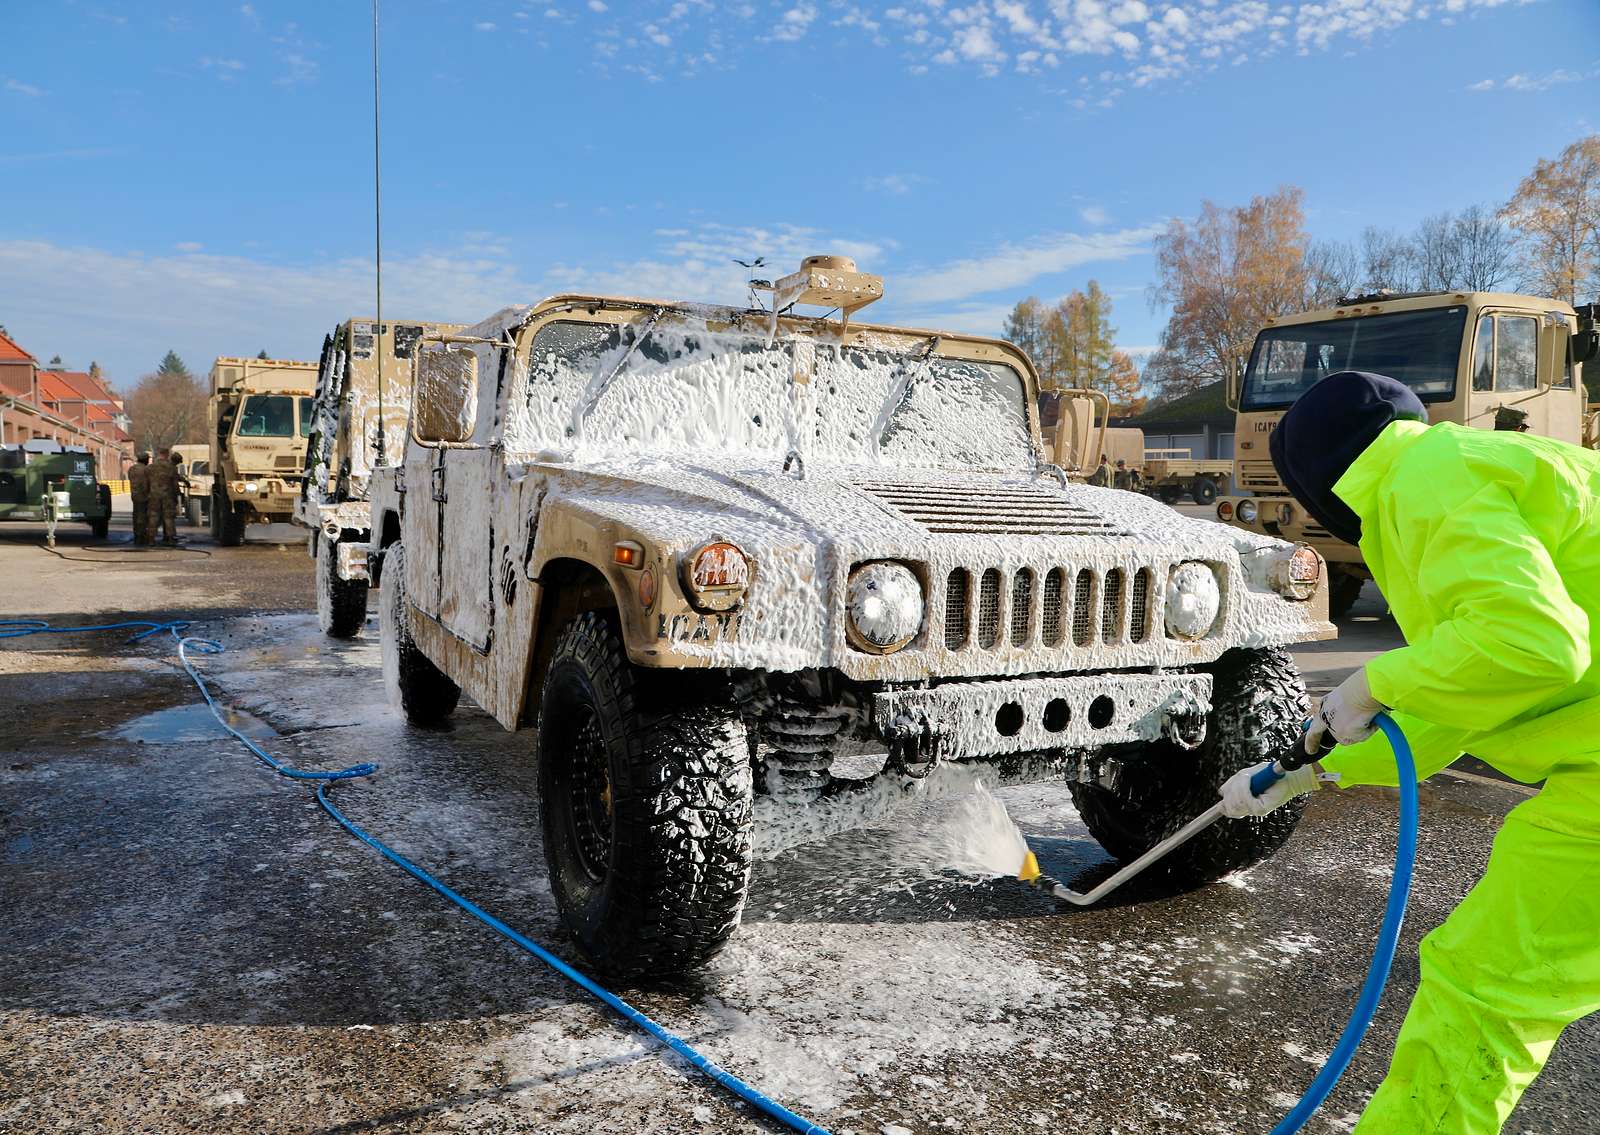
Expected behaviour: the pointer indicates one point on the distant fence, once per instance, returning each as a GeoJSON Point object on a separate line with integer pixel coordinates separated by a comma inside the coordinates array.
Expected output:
{"type": "Point", "coordinates": [118, 488]}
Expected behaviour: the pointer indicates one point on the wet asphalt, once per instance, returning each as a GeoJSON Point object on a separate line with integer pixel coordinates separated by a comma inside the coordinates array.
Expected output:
{"type": "Point", "coordinates": [192, 945]}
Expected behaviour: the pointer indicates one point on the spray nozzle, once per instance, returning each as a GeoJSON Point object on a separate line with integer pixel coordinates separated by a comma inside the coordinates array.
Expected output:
{"type": "Point", "coordinates": [1030, 868]}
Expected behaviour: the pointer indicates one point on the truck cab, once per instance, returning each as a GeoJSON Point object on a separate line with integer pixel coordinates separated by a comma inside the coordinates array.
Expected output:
{"type": "Point", "coordinates": [1472, 358]}
{"type": "Point", "coordinates": [259, 418]}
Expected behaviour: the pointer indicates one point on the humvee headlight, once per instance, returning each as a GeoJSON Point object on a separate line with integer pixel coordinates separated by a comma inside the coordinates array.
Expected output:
{"type": "Point", "coordinates": [883, 602]}
{"type": "Point", "coordinates": [717, 576]}
{"type": "Point", "coordinates": [1247, 511]}
{"type": "Point", "coordinates": [1296, 574]}
{"type": "Point", "coordinates": [1193, 600]}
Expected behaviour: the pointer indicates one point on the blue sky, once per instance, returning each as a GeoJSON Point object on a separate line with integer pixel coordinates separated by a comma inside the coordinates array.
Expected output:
{"type": "Point", "coordinates": [198, 176]}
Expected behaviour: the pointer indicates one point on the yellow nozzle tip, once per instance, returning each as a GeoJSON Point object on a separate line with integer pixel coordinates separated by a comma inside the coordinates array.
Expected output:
{"type": "Point", "coordinates": [1030, 868]}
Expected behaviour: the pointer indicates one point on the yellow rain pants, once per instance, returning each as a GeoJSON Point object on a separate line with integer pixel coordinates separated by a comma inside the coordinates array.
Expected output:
{"type": "Point", "coordinates": [1487, 548]}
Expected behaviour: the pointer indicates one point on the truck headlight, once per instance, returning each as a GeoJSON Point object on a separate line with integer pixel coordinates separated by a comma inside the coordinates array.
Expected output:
{"type": "Point", "coordinates": [1246, 511]}
{"type": "Point", "coordinates": [1193, 600]}
{"type": "Point", "coordinates": [717, 576]}
{"type": "Point", "coordinates": [251, 486]}
{"type": "Point", "coordinates": [883, 605]}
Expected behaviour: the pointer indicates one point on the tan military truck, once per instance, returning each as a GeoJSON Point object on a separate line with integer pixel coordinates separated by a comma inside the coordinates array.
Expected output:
{"type": "Point", "coordinates": [700, 554]}
{"type": "Point", "coordinates": [259, 416]}
{"type": "Point", "coordinates": [194, 494]}
{"type": "Point", "coordinates": [1467, 355]}
{"type": "Point", "coordinates": [357, 412]}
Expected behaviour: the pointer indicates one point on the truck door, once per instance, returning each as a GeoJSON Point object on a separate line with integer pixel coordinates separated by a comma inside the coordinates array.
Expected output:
{"type": "Point", "coordinates": [1515, 366]}
{"type": "Point", "coordinates": [449, 492]}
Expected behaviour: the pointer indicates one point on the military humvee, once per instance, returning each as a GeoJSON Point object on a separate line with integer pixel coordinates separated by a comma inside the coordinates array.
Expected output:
{"type": "Point", "coordinates": [259, 416]}
{"type": "Point", "coordinates": [702, 553]}
{"type": "Point", "coordinates": [355, 406]}
{"type": "Point", "coordinates": [32, 471]}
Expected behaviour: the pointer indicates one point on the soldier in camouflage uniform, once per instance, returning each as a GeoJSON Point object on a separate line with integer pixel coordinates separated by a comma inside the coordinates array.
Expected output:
{"type": "Point", "coordinates": [162, 511]}
{"type": "Point", "coordinates": [139, 489]}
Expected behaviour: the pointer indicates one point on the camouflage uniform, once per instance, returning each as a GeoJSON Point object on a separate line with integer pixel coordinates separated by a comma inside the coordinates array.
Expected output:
{"type": "Point", "coordinates": [1128, 478]}
{"type": "Point", "coordinates": [139, 489]}
{"type": "Point", "coordinates": [162, 511]}
{"type": "Point", "coordinates": [1101, 476]}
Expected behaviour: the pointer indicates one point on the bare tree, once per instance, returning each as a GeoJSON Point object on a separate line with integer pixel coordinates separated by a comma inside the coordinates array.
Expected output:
{"type": "Point", "coordinates": [1333, 271]}
{"type": "Point", "coordinates": [1436, 254]}
{"type": "Point", "coordinates": [1555, 214]}
{"type": "Point", "coordinates": [167, 408]}
{"type": "Point", "coordinates": [1388, 261]}
{"type": "Point", "coordinates": [1224, 276]}
{"type": "Point", "coordinates": [1487, 251]}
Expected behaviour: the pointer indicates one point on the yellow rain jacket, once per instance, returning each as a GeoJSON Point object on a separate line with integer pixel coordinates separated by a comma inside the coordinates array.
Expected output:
{"type": "Point", "coordinates": [1487, 547]}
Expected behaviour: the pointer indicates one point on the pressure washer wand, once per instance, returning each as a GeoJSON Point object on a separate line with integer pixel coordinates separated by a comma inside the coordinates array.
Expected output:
{"type": "Point", "coordinates": [1031, 874]}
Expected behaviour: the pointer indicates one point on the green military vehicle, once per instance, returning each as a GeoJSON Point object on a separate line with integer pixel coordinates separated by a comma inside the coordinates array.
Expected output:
{"type": "Point", "coordinates": [33, 476]}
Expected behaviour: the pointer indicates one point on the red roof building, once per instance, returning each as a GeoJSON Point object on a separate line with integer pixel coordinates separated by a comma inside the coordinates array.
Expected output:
{"type": "Point", "coordinates": [70, 407]}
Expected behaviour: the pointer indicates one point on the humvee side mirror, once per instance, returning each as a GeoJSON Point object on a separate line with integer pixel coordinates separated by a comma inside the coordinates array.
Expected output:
{"type": "Point", "coordinates": [445, 401]}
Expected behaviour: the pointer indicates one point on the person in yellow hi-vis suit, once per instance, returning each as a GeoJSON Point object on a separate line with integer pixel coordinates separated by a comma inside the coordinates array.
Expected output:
{"type": "Point", "coordinates": [1487, 547]}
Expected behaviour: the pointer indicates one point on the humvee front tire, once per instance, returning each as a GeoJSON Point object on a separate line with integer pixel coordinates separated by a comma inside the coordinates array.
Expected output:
{"type": "Point", "coordinates": [647, 808]}
{"type": "Point", "coordinates": [415, 684]}
{"type": "Point", "coordinates": [1258, 709]}
{"type": "Point", "coordinates": [341, 603]}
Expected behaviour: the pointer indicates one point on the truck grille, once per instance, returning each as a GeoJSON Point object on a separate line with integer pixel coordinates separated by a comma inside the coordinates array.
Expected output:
{"type": "Point", "coordinates": [1014, 509]}
{"type": "Point", "coordinates": [1259, 477]}
{"type": "Point", "coordinates": [1115, 607]}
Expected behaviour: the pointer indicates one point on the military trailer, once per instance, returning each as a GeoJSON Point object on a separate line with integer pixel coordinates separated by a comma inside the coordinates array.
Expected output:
{"type": "Point", "coordinates": [35, 474]}
{"type": "Point", "coordinates": [194, 492]}
{"type": "Point", "coordinates": [259, 418]}
{"type": "Point", "coordinates": [702, 555]}
{"type": "Point", "coordinates": [350, 412]}
{"type": "Point", "coordinates": [1471, 357]}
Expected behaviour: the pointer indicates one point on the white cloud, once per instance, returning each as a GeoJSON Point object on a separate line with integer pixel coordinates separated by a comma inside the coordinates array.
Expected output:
{"type": "Point", "coordinates": [188, 246]}
{"type": "Point", "coordinates": [483, 26]}
{"type": "Point", "coordinates": [894, 184]}
{"type": "Point", "coordinates": [597, 5]}
{"type": "Point", "coordinates": [1094, 215]}
{"type": "Point", "coordinates": [1014, 266]}
{"type": "Point", "coordinates": [795, 22]}
{"type": "Point", "coordinates": [226, 69]}
{"type": "Point", "coordinates": [17, 86]}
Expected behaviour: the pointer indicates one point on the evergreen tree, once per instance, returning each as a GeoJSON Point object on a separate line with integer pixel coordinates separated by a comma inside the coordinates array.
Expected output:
{"type": "Point", "coordinates": [262, 354]}
{"type": "Point", "coordinates": [172, 364]}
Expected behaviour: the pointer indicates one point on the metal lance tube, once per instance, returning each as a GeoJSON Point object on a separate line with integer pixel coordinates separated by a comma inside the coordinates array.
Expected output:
{"type": "Point", "coordinates": [377, 224]}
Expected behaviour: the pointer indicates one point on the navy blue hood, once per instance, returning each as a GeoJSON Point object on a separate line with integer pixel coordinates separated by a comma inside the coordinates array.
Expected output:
{"type": "Point", "coordinates": [1324, 432]}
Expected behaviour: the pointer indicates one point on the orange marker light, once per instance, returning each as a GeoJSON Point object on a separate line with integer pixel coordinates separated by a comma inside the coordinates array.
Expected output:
{"type": "Point", "coordinates": [628, 554]}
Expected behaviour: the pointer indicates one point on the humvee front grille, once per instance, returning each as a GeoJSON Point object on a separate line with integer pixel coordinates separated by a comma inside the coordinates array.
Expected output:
{"type": "Point", "coordinates": [1013, 510]}
{"type": "Point", "coordinates": [1115, 607]}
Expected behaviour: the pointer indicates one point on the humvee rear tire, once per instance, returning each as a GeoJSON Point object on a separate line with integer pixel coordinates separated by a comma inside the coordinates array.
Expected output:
{"type": "Point", "coordinates": [341, 603]}
{"type": "Point", "coordinates": [227, 521]}
{"type": "Point", "coordinates": [647, 807]}
{"type": "Point", "coordinates": [191, 509]}
{"type": "Point", "coordinates": [1258, 709]}
{"type": "Point", "coordinates": [415, 684]}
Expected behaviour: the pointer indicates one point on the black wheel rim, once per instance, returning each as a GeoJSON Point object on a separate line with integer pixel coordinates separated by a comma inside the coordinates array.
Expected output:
{"type": "Point", "coordinates": [588, 797]}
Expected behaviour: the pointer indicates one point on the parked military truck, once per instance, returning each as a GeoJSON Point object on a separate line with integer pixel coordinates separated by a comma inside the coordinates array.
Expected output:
{"type": "Point", "coordinates": [1467, 355]}
{"type": "Point", "coordinates": [349, 414]}
{"type": "Point", "coordinates": [259, 417]}
{"type": "Point", "coordinates": [194, 492]}
{"type": "Point", "coordinates": [35, 473]}
{"type": "Point", "coordinates": [702, 554]}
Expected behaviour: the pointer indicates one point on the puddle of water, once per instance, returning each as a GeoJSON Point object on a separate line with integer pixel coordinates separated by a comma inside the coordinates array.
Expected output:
{"type": "Point", "coordinates": [188, 723]}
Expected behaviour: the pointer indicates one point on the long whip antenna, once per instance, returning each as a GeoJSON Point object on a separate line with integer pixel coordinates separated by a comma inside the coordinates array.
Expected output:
{"type": "Point", "coordinates": [377, 225]}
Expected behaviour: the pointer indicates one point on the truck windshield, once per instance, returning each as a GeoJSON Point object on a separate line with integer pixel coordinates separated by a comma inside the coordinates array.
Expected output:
{"type": "Point", "coordinates": [267, 415]}
{"type": "Point", "coordinates": [1419, 348]}
{"type": "Point", "coordinates": [307, 419]}
{"type": "Point", "coordinates": [684, 388]}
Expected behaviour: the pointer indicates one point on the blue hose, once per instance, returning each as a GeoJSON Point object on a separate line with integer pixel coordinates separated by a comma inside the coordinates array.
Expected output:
{"type": "Point", "coordinates": [17, 628]}
{"type": "Point", "coordinates": [1405, 853]}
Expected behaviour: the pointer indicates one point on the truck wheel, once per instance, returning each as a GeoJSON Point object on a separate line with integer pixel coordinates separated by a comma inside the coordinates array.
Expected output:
{"type": "Point", "coordinates": [416, 685]}
{"type": "Point", "coordinates": [227, 521]}
{"type": "Point", "coordinates": [1204, 490]}
{"type": "Point", "coordinates": [341, 603]}
{"type": "Point", "coordinates": [1344, 588]}
{"type": "Point", "coordinates": [1258, 709]}
{"type": "Point", "coordinates": [191, 509]}
{"type": "Point", "coordinates": [647, 806]}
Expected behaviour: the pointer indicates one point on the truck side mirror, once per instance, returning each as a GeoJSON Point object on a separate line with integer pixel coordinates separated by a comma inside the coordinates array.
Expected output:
{"type": "Point", "coordinates": [1231, 390]}
{"type": "Point", "coordinates": [445, 402]}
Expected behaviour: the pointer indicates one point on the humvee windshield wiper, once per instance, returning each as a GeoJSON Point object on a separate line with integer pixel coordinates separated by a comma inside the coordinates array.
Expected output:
{"type": "Point", "coordinates": [906, 379]}
{"type": "Point", "coordinates": [591, 396]}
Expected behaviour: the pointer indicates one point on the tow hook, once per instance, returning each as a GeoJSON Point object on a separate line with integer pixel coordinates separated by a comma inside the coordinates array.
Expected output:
{"type": "Point", "coordinates": [913, 745]}
{"type": "Point", "coordinates": [1185, 729]}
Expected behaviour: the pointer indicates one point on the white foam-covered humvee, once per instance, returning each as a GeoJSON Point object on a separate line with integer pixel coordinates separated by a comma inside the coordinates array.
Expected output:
{"type": "Point", "coordinates": [703, 554]}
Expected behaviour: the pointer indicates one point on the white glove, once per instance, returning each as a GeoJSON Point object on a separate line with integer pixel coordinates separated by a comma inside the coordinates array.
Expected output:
{"type": "Point", "coordinates": [1347, 712]}
{"type": "Point", "coordinates": [1238, 801]}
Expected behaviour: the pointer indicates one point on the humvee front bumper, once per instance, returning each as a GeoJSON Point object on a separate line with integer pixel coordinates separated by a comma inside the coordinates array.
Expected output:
{"type": "Point", "coordinates": [956, 720]}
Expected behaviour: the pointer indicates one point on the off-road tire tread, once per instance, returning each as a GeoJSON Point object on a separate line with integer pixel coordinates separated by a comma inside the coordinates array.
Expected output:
{"type": "Point", "coordinates": [426, 695]}
{"type": "Point", "coordinates": [683, 833]}
{"type": "Point", "coordinates": [1259, 708]}
{"type": "Point", "coordinates": [229, 522]}
{"type": "Point", "coordinates": [344, 613]}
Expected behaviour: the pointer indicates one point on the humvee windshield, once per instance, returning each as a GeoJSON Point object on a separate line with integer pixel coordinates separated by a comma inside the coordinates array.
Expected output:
{"type": "Point", "coordinates": [1420, 348]}
{"type": "Point", "coordinates": [689, 389]}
